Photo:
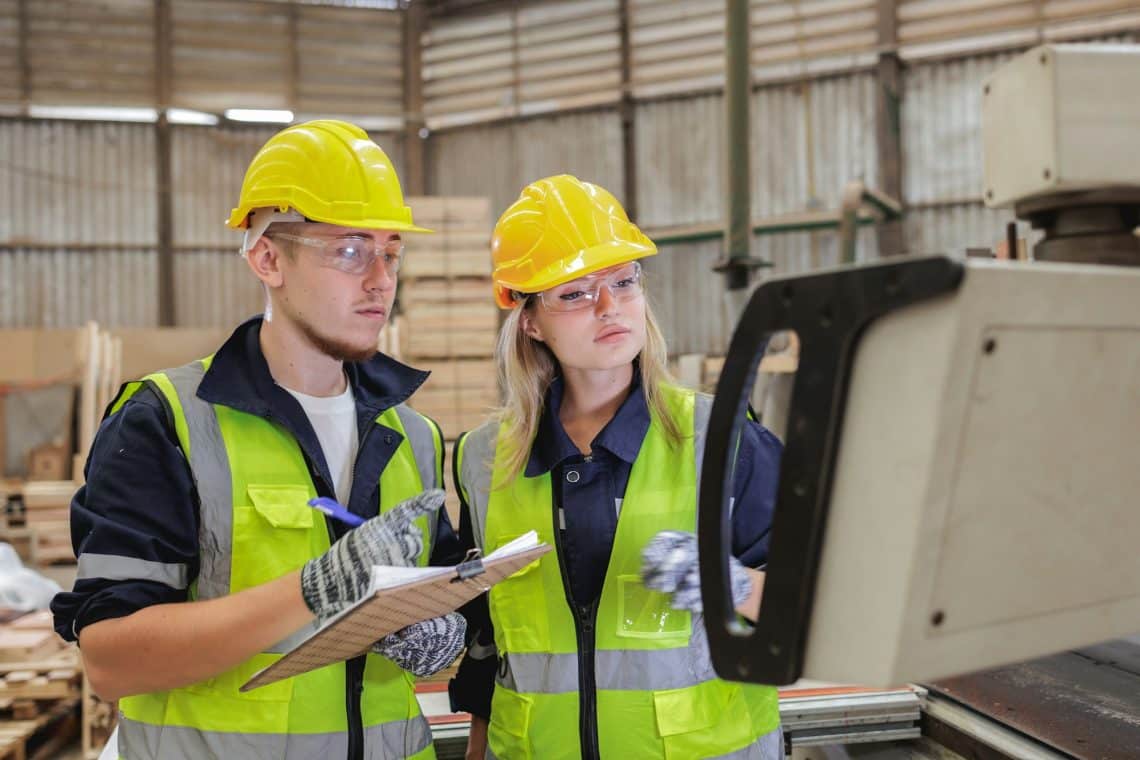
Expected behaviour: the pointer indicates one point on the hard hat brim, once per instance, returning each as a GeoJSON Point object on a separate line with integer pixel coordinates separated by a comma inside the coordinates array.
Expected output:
{"type": "Point", "coordinates": [239, 220]}
{"type": "Point", "coordinates": [588, 261]}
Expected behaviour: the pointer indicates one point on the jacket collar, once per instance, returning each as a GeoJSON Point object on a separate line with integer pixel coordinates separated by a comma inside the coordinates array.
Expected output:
{"type": "Point", "coordinates": [622, 436]}
{"type": "Point", "coordinates": [239, 377]}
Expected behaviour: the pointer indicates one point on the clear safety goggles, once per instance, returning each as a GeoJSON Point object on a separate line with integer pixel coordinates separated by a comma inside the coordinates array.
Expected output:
{"type": "Point", "coordinates": [353, 254]}
{"type": "Point", "coordinates": [623, 283]}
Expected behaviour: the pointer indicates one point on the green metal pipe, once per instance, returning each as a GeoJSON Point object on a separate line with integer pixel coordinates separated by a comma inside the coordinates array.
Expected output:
{"type": "Point", "coordinates": [738, 237]}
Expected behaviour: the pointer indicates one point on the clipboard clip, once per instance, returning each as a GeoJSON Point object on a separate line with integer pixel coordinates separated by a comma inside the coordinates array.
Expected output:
{"type": "Point", "coordinates": [471, 566]}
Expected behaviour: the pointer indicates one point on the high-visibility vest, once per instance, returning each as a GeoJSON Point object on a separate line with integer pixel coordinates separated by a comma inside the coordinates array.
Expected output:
{"type": "Point", "coordinates": [657, 695]}
{"type": "Point", "coordinates": [253, 487]}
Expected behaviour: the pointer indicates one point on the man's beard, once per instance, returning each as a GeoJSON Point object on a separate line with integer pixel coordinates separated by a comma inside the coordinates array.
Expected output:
{"type": "Point", "coordinates": [339, 350]}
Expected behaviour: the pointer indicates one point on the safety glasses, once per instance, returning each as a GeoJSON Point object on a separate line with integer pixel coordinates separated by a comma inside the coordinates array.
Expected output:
{"type": "Point", "coordinates": [623, 283]}
{"type": "Point", "coordinates": [353, 254]}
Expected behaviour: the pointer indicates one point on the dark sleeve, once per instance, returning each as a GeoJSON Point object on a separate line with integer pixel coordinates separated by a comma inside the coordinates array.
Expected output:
{"type": "Point", "coordinates": [471, 688]}
{"type": "Point", "coordinates": [134, 524]}
{"type": "Point", "coordinates": [757, 475]}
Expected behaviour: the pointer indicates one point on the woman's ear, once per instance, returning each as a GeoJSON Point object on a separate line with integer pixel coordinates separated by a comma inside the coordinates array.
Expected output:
{"type": "Point", "coordinates": [530, 327]}
{"type": "Point", "coordinates": [264, 258]}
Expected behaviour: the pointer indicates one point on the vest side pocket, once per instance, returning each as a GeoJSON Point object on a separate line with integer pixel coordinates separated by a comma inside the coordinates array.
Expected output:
{"type": "Point", "coordinates": [709, 719]}
{"type": "Point", "coordinates": [507, 736]}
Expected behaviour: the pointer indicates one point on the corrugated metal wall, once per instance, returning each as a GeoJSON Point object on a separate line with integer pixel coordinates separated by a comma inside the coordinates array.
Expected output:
{"type": "Point", "coordinates": [64, 185]}
{"type": "Point", "coordinates": [808, 140]}
{"type": "Point", "coordinates": [79, 229]}
{"type": "Point", "coordinates": [213, 285]}
{"type": "Point", "coordinates": [65, 288]}
{"type": "Point", "coordinates": [942, 156]}
{"type": "Point", "coordinates": [77, 182]}
{"type": "Point", "coordinates": [78, 220]}
{"type": "Point", "coordinates": [498, 160]}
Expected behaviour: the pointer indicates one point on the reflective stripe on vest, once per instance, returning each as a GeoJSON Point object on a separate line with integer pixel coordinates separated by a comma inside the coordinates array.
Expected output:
{"type": "Point", "coordinates": [253, 486]}
{"type": "Point", "coordinates": [657, 693]}
{"type": "Point", "coordinates": [380, 743]}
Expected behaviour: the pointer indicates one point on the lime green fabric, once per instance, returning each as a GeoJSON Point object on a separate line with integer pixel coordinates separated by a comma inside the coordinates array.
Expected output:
{"type": "Point", "coordinates": [275, 532]}
{"type": "Point", "coordinates": [534, 627]}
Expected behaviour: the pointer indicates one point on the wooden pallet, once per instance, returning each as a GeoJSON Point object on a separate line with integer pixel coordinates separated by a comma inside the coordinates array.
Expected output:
{"type": "Point", "coordinates": [43, 736]}
{"type": "Point", "coordinates": [41, 685]}
{"type": "Point", "coordinates": [99, 719]}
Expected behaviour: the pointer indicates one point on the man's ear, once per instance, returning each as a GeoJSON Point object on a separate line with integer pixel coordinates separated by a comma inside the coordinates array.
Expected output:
{"type": "Point", "coordinates": [530, 327]}
{"type": "Point", "coordinates": [265, 258]}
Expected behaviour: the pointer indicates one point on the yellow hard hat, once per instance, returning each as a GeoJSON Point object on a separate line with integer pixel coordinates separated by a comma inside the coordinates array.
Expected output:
{"type": "Point", "coordinates": [328, 171]}
{"type": "Point", "coordinates": [559, 229]}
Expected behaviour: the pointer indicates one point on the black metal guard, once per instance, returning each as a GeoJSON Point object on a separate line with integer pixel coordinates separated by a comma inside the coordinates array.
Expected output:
{"type": "Point", "coordinates": [829, 311]}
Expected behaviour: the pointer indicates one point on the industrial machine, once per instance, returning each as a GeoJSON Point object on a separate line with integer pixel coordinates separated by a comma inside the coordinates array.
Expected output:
{"type": "Point", "coordinates": [960, 488]}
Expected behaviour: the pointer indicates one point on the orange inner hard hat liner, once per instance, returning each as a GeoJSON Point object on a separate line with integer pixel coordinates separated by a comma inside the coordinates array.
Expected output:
{"type": "Point", "coordinates": [560, 229]}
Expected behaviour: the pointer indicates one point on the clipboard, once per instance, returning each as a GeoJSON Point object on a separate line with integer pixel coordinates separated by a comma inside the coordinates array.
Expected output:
{"type": "Point", "coordinates": [400, 596]}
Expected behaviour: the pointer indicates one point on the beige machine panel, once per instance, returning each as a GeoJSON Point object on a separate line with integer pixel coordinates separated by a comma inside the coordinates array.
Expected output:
{"type": "Point", "coordinates": [987, 508]}
{"type": "Point", "coordinates": [1061, 118]}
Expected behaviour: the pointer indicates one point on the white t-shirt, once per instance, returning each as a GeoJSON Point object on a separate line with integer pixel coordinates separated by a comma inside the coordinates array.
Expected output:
{"type": "Point", "coordinates": [334, 420]}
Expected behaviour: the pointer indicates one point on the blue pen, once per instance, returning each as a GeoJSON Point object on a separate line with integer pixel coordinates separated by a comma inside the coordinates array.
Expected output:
{"type": "Point", "coordinates": [335, 510]}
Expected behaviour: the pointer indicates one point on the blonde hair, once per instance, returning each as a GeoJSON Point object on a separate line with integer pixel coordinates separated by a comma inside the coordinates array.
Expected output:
{"type": "Point", "coordinates": [526, 369]}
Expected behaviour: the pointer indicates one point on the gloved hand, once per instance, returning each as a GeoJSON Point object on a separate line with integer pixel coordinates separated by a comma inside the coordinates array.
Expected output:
{"type": "Point", "coordinates": [340, 576]}
{"type": "Point", "coordinates": [669, 564]}
{"type": "Point", "coordinates": [426, 647]}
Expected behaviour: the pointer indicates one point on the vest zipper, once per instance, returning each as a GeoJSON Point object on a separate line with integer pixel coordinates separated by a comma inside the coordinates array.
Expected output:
{"type": "Point", "coordinates": [354, 688]}
{"type": "Point", "coordinates": [584, 621]}
{"type": "Point", "coordinates": [354, 668]}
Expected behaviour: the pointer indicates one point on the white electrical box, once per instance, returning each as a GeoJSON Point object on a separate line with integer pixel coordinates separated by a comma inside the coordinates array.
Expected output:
{"type": "Point", "coordinates": [1062, 118]}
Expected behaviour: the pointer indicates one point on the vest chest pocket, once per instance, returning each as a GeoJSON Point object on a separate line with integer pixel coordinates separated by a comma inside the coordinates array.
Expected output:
{"type": "Point", "coordinates": [647, 614]}
{"type": "Point", "coordinates": [273, 535]}
{"type": "Point", "coordinates": [513, 604]}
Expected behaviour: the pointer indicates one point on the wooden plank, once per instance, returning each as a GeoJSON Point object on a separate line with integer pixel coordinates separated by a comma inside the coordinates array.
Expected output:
{"type": "Point", "coordinates": [27, 645]}
{"type": "Point", "coordinates": [460, 373]}
{"type": "Point", "coordinates": [453, 422]}
{"type": "Point", "coordinates": [458, 212]}
{"type": "Point", "coordinates": [3, 443]}
{"type": "Point", "coordinates": [464, 315]}
{"type": "Point", "coordinates": [48, 494]}
{"type": "Point", "coordinates": [37, 621]}
{"type": "Point", "coordinates": [454, 263]}
{"type": "Point", "coordinates": [448, 344]}
{"type": "Point", "coordinates": [45, 520]}
{"type": "Point", "coordinates": [88, 359]}
{"type": "Point", "coordinates": [451, 290]}
{"type": "Point", "coordinates": [48, 462]}
{"type": "Point", "coordinates": [450, 234]}
{"type": "Point", "coordinates": [454, 399]}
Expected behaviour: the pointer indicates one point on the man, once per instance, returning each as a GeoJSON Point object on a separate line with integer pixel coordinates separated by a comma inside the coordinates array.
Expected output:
{"type": "Point", "coordinates": [199, 559]}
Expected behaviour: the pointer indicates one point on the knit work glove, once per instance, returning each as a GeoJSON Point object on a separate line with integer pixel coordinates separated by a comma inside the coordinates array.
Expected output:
{"type": "Point", "coordinates": [340, 576]}
{"type": "Point", "coordinates": [426, 647]}
{"type": "Point", "coordinates": [669, 564]}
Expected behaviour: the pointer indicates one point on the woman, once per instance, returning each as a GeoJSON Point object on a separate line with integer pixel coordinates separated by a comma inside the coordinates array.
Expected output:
{"type": "Point", "coordinates": [598, 649]}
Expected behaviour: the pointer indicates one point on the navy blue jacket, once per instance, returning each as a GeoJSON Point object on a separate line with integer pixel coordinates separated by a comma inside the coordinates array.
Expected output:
{"type": "Point", "coordinates": [139, 500]}
{"type": "Point", "coordinates": [585, 492]}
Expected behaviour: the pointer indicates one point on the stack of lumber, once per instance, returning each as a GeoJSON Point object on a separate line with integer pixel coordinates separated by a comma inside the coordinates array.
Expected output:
{"type": "Point", "coordinates": [46, 516]}
{"type": "Point", "coordinates": [781, 357]}
{"type": "Point", "coordinates": [449, 318]}
{"type": "Point", "coordinates": [445, 293]}
{"type": "Point", "coordinates": [775, 377]}
{"type": "Point", "coordinates": [40, 688]}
